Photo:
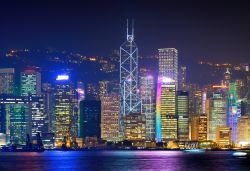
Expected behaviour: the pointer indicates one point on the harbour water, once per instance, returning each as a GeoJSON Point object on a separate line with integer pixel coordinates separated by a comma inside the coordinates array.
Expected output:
{"type": "Point", "coordinates": [123, 160]}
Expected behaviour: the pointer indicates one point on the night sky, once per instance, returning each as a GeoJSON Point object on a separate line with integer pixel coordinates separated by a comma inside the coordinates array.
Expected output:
{"type": "Point", "coordinates": [218, 31]}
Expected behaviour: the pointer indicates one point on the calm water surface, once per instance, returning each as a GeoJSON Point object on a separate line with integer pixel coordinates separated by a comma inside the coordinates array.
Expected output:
{"type": "Point", "coordinates": [123, 160]}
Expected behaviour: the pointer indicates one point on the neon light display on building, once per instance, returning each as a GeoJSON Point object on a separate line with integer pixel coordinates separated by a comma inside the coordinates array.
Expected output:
{"type": "Point", "coordinates": [232, 110]}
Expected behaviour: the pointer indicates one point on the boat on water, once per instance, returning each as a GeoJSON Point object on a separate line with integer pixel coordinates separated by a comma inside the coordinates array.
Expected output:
{"type": "Point", "coordinates": [240, 154]}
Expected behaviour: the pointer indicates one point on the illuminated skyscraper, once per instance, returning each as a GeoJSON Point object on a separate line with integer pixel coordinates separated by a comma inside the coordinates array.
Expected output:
{"type": "Point", "coordinates": [232, 114]}
{"type": "Point", "coordinates": [135, 127]}
{"type": "Point", "coordinates": [224, 136]}
{"type": "Point", "coordinates": [30, 82]}
{"type": "Point", "coordinates": [65, 109]}
{"type": "Point", "coordinates": [239, 88]}
{"type": "Point", "coordinates": [202, 130]}
{"type": "Point", "coordinates": [103, 88]}
{"type": "Point", "coordinates": [182, 82]}
{"type": "Point", "coordinates": [110, 117]}
{"type": "Point", "coordinates": [19, 122]}
{"type": "Point", "coordinates": [147, 91]}
{"type": "Point", "coordinates": [80, 97]}
{"type": "Point", "coordinates": [217, 114]}
{"type": "Point", "coordinates": [92, 92]}
{"type": "Point", "coordinates": [19, 116]}
{"type": "Point", "coordinates": [130, 101]}
{"type": "Point", "coordinates": [80, 91]}
{"type": "Point", "coordinates": [166, 119]}
{"type": "Point", "coordinates": [168, 63]}
{"type": "Point", "coordinates": [7, 81]}
{"type": "Point", "coordinates": [48, 95]}
{"type": "Point", "coordinates": [194, 127]}
{"type": "Point", "coordinates": [243, 131]}
{"type": "Point", "coordinates": [227, 77]}
{"type": "Point", "coordinates": [183, 115]}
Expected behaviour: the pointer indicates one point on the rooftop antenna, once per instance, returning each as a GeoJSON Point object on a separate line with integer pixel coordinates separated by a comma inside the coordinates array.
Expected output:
{"type": "Point", "coordinates": [133, 27]}
{"type": "Point", "coordinates": [130, 37]}
{"type": "Point", "coordinates": [127, 28]}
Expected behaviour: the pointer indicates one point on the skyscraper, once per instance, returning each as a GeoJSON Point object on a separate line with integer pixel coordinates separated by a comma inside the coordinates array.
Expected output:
{"type": "Point", "coordinates": [217, 114]}
{"type": "Point", "coordinates": [243, 131]}
{"type": "Point", "coordinates": [130, 101]}
{"type": "Point", "coordinates": [65, 109]}
{"type": "Point", "coordinates": [182, 82]}
{"type": "Point", "coordinates": [183, 115]}
{"type": "Point", "coordinates": [135, 127]}
{"type": "Point", "coordinates": [168, 63]}
{"type": "Point", "coordinates": [166, 118]}
{"type": "Point", "coordinates": [232, 111]}
{"type": "Point", "coordinates": [48, 95]}
{"type": "Point", "coordinates": [19, 122]}
{"type": "Point", "coordinates": [21, 115]}
{"type": "Point", "coordinates": [110, 117]}
{"type": "Point", "coordinates": [30, 82]}
{"type": "Point", "coordinates": [90, 118]}
{"type": "Point", "coordinates": [147, 91]}
{"type": "Point", "coordinates": [38, 117]}
{"type": "Point", "coordinates": [103, 88]}
{"type": "Point", "coordinates": [224, 136]}
{"type": "Point", "coordinates": [202, 128]}
{"type": "Point", "coordinates": [7, 81]}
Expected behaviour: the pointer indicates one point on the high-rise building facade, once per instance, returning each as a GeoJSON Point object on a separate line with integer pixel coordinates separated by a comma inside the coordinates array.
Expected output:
{"type": "Point", "coordinates": [7, 81]}
{"type": "Point", "coordinates": [65, 110]}
{"type": "Point", "coordinates": [217, 114]}
{"type": "Point", "coordinates": [166, 118]}
{"type": "Point", "coordinates": [39, 118]}
{"type": "Point", "coordinates": [21, 115]}
{"type": "Point", "coordinates": [135, 127]}
{"type": "Point", "coordinates": [103, 88]}
{"type": "Point", "coordinates": [147, 91]}
{"type": "Point", "coordinates": [183, 115]}
{"type": "Point", "coordinates": [194, 127]}
{"type": "Point", "coordinates": [232, 110]}
{"type": "Point", "coordinates": [202, 129]}
{"type": "Point", "coordinates": [168, 63]}
{"type": "Point", "coordinates": [110, 117]}
{"type": "Point", "coordinates": [19, 122]}
{"type": "Point", "coordinates": [129, 96]}
{"type": "Point", "coordinates": [224, 136]}
{"type": "Point", "coordinates": [90, 119]}
{"type": "Point", "coordinates": [48, 96]}
{"type": "Point", "coordinates": [182, 82]}
{"type": "Point", "coordinates": [243, 131]}
{"type": "Point", "coordinates": [30, 82]}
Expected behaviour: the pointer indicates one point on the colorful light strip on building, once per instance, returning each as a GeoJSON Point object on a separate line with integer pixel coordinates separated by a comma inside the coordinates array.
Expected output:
{"type": "Point", "coordinates": [232, 110]}
{"type": "Point", "coordinates": [158, 111]}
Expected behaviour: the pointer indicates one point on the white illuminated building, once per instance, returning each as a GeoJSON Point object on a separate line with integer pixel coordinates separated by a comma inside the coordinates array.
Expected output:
{"type": "Point", "coordinates": [168, 63]}
{"type": "Point", "coordinates": [130, 102]}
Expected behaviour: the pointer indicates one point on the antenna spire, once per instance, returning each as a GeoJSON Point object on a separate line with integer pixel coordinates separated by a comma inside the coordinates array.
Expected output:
{"type": "Point", "coordinates": [130, 36]}
{"type": "Point", "coordinates": [133, 27]}
{"type": "Point", "coordinates": [127, 27]}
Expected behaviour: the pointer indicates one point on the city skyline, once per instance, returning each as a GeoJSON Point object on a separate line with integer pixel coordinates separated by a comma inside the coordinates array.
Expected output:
{"type": "Point", "coordinates": [94, 85]}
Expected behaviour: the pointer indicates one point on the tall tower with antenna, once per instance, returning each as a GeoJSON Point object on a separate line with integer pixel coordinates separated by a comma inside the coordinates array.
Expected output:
{"type": "Point", "coordinates": [130, 102]}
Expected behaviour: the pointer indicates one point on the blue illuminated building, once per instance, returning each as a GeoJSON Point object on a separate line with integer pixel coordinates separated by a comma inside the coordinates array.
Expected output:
{"type": "Point", "coordinates": [233, 113]}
